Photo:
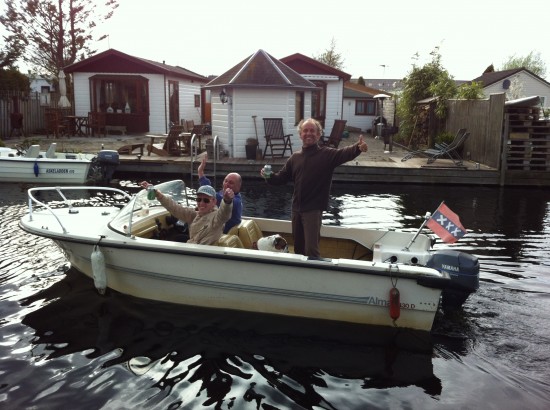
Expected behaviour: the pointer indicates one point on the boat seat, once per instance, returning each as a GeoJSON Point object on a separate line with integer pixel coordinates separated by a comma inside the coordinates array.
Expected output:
{"type": "Point", "coordinates": [33, 151]}
{"type": "Point", "coordinates": [230, 241]}
{"type": "Point", "coordinates": [248, 232]}
{"type": "Point", "coordinates": [50, 153]}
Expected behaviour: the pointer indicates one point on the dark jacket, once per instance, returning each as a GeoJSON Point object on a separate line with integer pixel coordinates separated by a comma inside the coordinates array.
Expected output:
{"type": "Point", "coordinates": [311, 171]}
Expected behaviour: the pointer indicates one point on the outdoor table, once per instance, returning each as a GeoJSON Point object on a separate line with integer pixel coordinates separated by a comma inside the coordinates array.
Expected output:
{"type": "Point", "coordinates": [77, 124]}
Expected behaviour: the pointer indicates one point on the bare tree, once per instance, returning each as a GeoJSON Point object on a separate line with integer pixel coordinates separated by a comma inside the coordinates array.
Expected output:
{"type": "Point", "coordinates": [331, 57]}
{"type": "Point", "coordinates": [55, 33]}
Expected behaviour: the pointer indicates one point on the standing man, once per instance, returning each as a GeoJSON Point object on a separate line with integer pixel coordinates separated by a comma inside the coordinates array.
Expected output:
{"type": "Point", "coordinates": [311, 171]}
{"type": "Point", "coordinates": [233, 181]}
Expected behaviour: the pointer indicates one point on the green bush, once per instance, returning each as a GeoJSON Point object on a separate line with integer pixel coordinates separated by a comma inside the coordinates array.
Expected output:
{"type": "Point", "coordinates": [444, 138]}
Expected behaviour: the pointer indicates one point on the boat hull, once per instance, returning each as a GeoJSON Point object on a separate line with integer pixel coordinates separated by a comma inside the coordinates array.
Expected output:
{"type": "Point", "coordinates": [346, 286]}
{"type": "Point", "coordinates": [71, 170]}
{"type": "Point", "coordinates": [233, 279]}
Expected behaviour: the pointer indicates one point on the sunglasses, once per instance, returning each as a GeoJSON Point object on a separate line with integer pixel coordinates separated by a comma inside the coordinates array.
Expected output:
{"type": "Point", "coordinates": [205, 200]}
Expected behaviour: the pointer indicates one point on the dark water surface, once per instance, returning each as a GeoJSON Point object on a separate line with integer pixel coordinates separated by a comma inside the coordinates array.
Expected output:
{"type": "Point", "coordinates": [62, 345]}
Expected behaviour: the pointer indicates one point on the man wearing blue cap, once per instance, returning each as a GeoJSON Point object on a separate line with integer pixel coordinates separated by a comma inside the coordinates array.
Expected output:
{"type": "Point", "coordinates": [206, 220]}
{"type": "Point", "coordinates": [231, 180]}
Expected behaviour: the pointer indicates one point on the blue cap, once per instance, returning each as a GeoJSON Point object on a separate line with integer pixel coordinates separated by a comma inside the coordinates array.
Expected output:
{"type": "Point", "coordinates": [207, 190]}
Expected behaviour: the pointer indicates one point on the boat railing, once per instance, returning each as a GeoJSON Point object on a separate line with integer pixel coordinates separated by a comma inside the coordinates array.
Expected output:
{"type": "Point", "coordinates": [59, 189]}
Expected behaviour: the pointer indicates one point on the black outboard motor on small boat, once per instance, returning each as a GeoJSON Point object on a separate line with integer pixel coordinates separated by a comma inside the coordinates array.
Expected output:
{"type": "Point", "coordinates": [463, 269]}
{"type": "Point", "coordinates": [104, 166]}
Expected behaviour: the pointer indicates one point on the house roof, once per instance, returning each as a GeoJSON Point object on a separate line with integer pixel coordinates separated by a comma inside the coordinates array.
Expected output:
{"type": "Point", "coordinates": [491, 78]}
{"type": "Point", "coordinates": [261, 70]}
{"type": "Point", "coordinates": [386, 84]}
{"type": "Point", "coordinates": [114, 61]}
{"type": "Point", "coordinates": [354, 90]}
{"type": "Point", "coordinates": [307, 65]}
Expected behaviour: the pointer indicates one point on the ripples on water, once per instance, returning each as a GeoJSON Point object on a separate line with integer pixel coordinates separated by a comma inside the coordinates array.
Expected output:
{"type": "Point", "coordinates": [63, 343]}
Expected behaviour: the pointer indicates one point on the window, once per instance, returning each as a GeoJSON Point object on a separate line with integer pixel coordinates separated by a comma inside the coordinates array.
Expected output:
{"type": "Point", "coordinates": [45, 95]}
{"type": "Point", "coordinates": [365, 107]}
{"type": "Point", "coordinates": [113, 93]}
{"type": "Point", "coordinates": [197, 100]}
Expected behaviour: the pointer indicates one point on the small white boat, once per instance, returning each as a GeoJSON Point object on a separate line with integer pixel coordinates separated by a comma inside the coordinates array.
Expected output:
{"type": "Point", "coordinates": [365, 276]}
{"type": "Point", "coordinates": [34, 166]}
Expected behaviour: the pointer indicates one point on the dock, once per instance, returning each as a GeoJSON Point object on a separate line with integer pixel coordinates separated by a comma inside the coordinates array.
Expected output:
{"type": "Point", "coordinates": [378, 165]}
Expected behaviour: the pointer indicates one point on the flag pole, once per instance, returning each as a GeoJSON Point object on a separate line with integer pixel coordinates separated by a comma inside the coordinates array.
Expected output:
{"type": "Point", "coordinates": [426, 219]}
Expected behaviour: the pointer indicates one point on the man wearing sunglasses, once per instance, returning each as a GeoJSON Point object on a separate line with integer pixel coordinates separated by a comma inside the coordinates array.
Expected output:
{"type": "Point", "coordinates": [206, 220]}
{"type": "Point", "coordinates": [231, 180]}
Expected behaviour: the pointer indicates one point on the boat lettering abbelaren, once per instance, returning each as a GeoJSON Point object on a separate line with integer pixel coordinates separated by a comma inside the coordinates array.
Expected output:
{"type": "Point", "coordinates": [59, 171]}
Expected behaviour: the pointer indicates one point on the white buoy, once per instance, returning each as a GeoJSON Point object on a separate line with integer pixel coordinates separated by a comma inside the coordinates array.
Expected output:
{"type": "Point", "coordinates": [98, 270]}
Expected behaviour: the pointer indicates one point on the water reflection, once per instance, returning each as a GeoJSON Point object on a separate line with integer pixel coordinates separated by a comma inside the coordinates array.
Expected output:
{"type": "Point", "coordinates": [222, 355]}
{"type": "Point", "coordinates": [118, 352]}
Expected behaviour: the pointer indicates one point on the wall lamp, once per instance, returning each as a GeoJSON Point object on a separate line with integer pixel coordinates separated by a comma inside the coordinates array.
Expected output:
{"type": "Point", "coordinates": [223, 96]}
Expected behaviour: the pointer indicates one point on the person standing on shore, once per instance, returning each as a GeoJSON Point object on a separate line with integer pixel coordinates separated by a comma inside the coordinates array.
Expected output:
{"type": "Point", "coordinates": [311, 170]}
{"type": "Point", "coordinates": [231, 180]}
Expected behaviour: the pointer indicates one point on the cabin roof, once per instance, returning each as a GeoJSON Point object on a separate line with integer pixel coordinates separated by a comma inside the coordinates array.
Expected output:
{"type": "Point", "coordinates": [261, 70]}
{"type": "Point", "coordinates": [114, 61]}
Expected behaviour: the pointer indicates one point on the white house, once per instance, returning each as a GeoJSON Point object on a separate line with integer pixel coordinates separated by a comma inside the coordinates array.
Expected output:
{"type": "Point", "coordinates": [516, 83]}
{"type": "Point", "coordinates": [361, 108]}
{"type": "Point", "coordinates": [143, 95]}
{"type": "Point", "coordinates": [263, 87]}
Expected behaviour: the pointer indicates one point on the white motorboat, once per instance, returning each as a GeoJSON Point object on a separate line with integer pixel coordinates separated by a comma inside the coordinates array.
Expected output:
{"type": "Point", "coordinates": [34, 166]}
{"type": "Point", "coordinates": [365, 276]}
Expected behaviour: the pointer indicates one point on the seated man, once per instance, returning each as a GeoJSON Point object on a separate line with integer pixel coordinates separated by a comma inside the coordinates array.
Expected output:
{"type": "Point", "coordinates": [233, 181]}
{"type": "Point", "coordinates": [206, 220]}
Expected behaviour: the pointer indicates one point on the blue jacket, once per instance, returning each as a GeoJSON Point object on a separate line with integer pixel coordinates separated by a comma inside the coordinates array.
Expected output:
{"type": "Point", "coordinates": [237, 206]}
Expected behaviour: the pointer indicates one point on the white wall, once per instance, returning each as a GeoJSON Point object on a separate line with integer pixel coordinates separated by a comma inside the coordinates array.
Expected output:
{"type": "Point", "coordinates": [187, 92]}
{"type": "Point", "coordinates": [531, 86]}
{"type": "Point", "coordinates": [334, 97]}
{"type": "Point", "coordinates": [364, 122]}
{"type": "Point", "coordinates": [158, 99]}
{"type": "Point", "coordinates": [233, 122]}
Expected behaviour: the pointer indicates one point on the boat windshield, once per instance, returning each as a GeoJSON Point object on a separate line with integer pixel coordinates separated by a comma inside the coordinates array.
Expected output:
{"type": "Point", "coordinates": [139, 206]}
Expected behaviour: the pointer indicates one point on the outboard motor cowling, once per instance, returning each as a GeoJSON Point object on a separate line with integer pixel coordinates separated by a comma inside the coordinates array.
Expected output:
{"type": "Point", "coordinates": [107, 160]}
{"type": "Point", "coordinates": [463, 269]}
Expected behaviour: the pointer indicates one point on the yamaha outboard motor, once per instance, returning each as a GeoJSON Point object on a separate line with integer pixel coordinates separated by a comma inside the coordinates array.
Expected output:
{"type": "Point", "coordinates": [463, 269]}
{"type": "Point", "coordinates": [105, 166]}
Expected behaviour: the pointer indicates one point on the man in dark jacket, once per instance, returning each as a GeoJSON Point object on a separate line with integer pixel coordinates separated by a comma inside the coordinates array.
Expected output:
{"type": "Point", "coordinates": [311, 171]}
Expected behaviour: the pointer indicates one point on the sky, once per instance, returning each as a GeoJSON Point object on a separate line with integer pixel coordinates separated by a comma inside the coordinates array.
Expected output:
{"type": "Point", "coordinates": [375, 40]}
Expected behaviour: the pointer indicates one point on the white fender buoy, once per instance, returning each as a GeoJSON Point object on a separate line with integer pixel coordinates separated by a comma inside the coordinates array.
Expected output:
{"type": "Point", "coordinates": [98, 270]}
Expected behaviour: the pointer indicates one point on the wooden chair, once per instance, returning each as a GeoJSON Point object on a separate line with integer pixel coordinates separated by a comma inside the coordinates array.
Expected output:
{"type": "Point", "coordinates": [54, 124]}
{"type": "Point", "coordinates": [97, 123]}
{"type": "Point", "coordinates": [335, 134]}
{"type": "Point", "coordinates": [173, 144]}
{"type": "Point", "coordinates": [275, 138]}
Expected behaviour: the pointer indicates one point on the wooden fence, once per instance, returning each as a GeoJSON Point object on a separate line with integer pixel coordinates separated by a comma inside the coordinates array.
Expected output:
{"type": "Point", "coordinates": [484, 121]}
{"type": "Point", "coordinates": [31, 106]}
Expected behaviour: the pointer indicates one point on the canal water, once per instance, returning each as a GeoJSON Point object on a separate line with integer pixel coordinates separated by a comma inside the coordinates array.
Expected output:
{"type": "Point", "coordinates": [64, 345]}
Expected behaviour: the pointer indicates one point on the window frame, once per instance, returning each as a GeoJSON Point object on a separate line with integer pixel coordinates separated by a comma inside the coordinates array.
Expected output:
{"type": "Point", "coordinates": [369, 108]}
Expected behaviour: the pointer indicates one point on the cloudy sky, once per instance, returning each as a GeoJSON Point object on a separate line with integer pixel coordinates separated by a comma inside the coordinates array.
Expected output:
{"type": "Point", "coordinates": [375, 39]}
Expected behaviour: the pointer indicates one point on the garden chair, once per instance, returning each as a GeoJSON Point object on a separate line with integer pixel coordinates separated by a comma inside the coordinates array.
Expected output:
{"type": "Point", "coordinates": [97, 123]}
{"type": "Point", "coordinates": [450, 151]}
{"type": "Point", "coordinates": [276, 140]}
{"type": "Point", "coordinates": [335, 134]}
{"type": "Point", "coordinates": [423, 152]}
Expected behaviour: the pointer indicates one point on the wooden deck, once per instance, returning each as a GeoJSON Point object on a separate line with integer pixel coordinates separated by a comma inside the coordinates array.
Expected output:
{"type": "Point", "coordinates": [389, 169]}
